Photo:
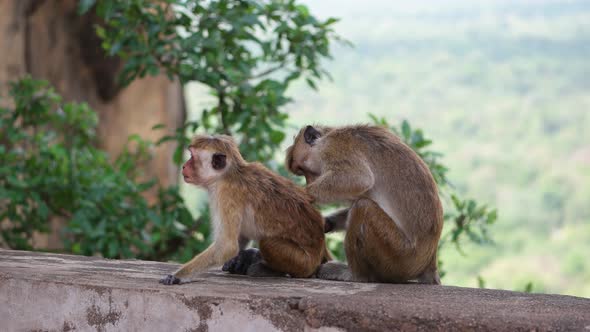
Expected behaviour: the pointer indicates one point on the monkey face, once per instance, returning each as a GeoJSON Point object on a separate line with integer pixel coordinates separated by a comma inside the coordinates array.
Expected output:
{"type": "Point", "coordinates": [204, 167]}
{"type": "Point", "coordinates": [302, 157]}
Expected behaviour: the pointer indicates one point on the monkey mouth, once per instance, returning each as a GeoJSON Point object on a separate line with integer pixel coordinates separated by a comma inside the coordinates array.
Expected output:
{"type": "Point", "coordinates": [302, 171]}
{"type": "Point", "coordinates": [298, 171]}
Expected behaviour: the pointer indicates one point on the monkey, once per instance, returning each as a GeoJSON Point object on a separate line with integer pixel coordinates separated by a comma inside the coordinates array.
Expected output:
{"type": "Point", "coordinates": [248, 201]}
{"type": "Point", "coordinates": [395, 217]}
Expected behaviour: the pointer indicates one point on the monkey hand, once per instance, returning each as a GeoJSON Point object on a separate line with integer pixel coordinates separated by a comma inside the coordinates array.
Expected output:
{"type": "Point", "coordinates": [312, 193]}
{"type": "Point", "coordinates": [241, 263]}
{"type": "Point", "coordinates": [170, 280]}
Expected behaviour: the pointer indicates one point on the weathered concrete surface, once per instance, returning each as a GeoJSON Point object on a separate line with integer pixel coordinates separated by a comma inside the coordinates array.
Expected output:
{"type": "Point", "coordinates": [47, 292]}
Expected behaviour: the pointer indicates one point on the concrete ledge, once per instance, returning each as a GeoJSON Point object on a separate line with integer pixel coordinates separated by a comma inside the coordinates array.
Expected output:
{"type": "Point", "coordinates": [47, 292]}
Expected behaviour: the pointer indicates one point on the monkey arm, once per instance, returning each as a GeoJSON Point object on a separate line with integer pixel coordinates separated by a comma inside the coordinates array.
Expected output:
{"type": "Point", "coordinates": [343, 181]}
{"type": "Point", "coordinates": [217, 253]}
{"type": "Point", "coordinates": [336, 221]}
{"type": "Point", "coordinates": [200, 262]}
{"type": "Point", "coordinates": [221, 250]}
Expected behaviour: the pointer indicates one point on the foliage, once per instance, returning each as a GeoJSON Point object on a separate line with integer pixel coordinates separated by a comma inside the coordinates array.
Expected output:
{"type": "Point", "coordinates": [51, 169]}
{"type": "Point", "coordinates": [246, 52]}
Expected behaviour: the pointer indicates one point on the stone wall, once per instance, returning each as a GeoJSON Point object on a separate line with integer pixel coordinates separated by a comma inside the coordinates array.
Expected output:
{"type": "Point", "coordinates": [48, 292]}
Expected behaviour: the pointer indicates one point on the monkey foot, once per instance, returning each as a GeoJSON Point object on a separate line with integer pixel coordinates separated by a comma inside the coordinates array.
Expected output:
{"type": "Point", "coordinates": [170, 280]}
{"type": "Point", "coordinates": [241, 263]}
{"type": "Point", "coordinates": [334, 271]}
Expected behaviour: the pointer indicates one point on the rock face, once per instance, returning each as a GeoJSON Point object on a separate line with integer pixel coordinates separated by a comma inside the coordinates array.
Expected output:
{"type": "Point", "coordinates": [49, 40]}
{"type": "Point", "coordinates": [48, 292]}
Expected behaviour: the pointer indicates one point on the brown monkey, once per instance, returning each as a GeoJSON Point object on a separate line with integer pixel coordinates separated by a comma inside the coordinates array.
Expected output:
{"type": "Point", "coordinates": [249, 201]}
{"type": "Point", "coordinates": [395, 219]}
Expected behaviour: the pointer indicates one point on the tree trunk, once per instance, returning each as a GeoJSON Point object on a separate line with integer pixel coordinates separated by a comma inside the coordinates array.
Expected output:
{"type": "Point", "coordinates": [49, 40]}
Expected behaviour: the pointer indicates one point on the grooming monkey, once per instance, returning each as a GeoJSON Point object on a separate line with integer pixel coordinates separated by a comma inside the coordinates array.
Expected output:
{"type": "Point", "coordinates": [395, 218]}
{"type": "Point", "coordinates": [249, 201]}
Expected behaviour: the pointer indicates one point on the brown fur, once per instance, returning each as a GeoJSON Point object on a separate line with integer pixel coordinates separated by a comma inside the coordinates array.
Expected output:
{"type": "Point", "coordinates": [248, 200]}
{"type": "Point", "coordinates": [396, 217]}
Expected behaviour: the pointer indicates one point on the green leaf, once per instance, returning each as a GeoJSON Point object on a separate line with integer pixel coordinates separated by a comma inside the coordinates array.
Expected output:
{"type": "Point", "coordinates": [115, 48]}
{"type": "Point", "coordinates": [85, 5]}
{"type": "Point", "coordinates": [481, 283]}
{"type": "Point", "coordinates": [113, 249]}
{"type": "Point", "coordinates": [470, 207]}
{"type": "Point", "coordinates": [154, 70]}
{"type": "Point", "coordinates": [178, 156]}
{"type": "Point", "coordinates": [303, 10]}
{"type": "Point", "coordinates": [43, 210]}
{"type": "Point", "coordinates": [406, 130]}
{"type": "Point", "coordinates": [528, 288]}
{"type": "Point", "coordinates": [491, 217]}
{"type": "Point", "coordinates": [457, 202]}
{"type": "Point", "coordinates": [165, 139]}
{"type": "Point", "coordinates": [276, 136]}
{"type": "Point", "coordinates": [330, 21]}
{"type": "Point", "coordinates": [146, 185]}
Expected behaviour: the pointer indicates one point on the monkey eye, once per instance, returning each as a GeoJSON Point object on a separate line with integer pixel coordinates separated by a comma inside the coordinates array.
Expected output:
{"type": "Point", "coordinates": [218, 161]}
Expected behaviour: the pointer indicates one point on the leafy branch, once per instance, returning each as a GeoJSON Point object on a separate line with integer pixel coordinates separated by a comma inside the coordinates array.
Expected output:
{"type": "Point", "coordinates": [51, 169]}
{"type": "Point", "coordinates": [246, 52]}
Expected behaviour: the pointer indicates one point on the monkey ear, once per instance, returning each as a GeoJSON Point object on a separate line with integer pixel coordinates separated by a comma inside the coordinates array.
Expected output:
{"type": "Point", "coordinates": [218, 161]}
{"type": "Point", "coordinates": [311, 135]}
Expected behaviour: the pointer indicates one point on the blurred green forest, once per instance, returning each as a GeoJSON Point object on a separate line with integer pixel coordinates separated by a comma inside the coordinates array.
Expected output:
{"type": "Point", "coordinates": [503, 90]}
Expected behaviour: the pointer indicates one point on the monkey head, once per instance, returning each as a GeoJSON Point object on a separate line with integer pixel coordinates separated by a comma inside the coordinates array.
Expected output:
{"type": "Point", "coordinates": [302, 156]}
{"type": "Point", "coordinates": [211, 158]}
